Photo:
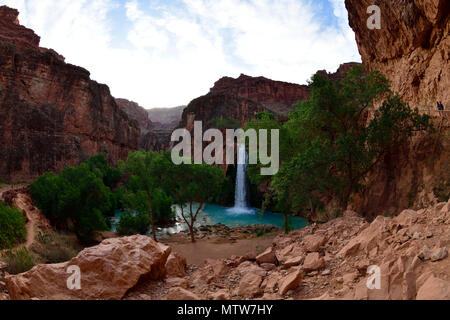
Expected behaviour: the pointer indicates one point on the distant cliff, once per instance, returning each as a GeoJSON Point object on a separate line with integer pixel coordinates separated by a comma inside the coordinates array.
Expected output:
{"type": "Point", "coordinates": [243, 97]}
{"type": "Point", "coordinates": [51, 113]}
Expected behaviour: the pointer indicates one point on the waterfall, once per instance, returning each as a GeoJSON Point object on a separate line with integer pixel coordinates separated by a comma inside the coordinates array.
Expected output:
{"type": "Point", "coordinates": [241, 197]}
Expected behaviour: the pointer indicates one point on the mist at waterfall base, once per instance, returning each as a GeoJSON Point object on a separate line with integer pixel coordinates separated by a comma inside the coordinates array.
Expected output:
{"type": "Point", "coordinates": [239, 215]}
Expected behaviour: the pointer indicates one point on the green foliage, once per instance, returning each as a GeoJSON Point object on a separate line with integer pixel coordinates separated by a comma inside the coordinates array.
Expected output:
{"type": "Point", "coordinates": [78, 196]}
{"type": "Point", "coordinates": [2, 181]}
{"type": "Point", "coordinates": [227, 123]}
{"type": "Point", "coordinates": [12, 226]}
{"type": "Point", "coordinates": [18, 261]}
{"type": "Point", "coordinates": [190, 183]}
{"type": "Point", "coordinates": [328, 146]}
{"type": "Point", "coordinates": [133, 223]}
{"type": "Point", "coordinates": [145, 188]}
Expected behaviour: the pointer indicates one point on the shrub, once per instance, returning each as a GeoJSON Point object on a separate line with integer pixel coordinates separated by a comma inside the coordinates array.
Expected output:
{"type": "Point", "coordinates": [18, 261]}
{"type": "Point", "coordinates": [79, 195]}
{"type": "Point", "coordinates": [54, 247]}
{"type": "Point", "coordinates": [133, 223]}
{"type": "Point", "coordinates": [12, 226]}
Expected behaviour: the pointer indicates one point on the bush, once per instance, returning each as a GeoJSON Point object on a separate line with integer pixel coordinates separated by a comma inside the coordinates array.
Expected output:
{"type": "Point", "coordinates": [18, 261]}
{"type": "Point", "coordinates": [78, 195]}
{"type": "Point", "coordinates": [133, 223]}
{"type": "Point", "coordinates": [54, 247]}
{"type": "Point", "coordinates": [12, 226]}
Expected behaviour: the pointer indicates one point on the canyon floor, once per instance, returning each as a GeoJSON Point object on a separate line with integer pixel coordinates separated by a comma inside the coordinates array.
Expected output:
{"type": "Point", "coordinates": [321, 261]}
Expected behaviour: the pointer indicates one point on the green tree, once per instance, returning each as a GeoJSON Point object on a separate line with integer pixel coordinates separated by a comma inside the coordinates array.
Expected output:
{"type": "Point", "coordinates": [190, 184]}
{"type": "Point", "coordinates": [147, 169]}
{"type": "Point", "coordinates": [336, 138]}
{"type": "Point", "coordinates": [77, 198]}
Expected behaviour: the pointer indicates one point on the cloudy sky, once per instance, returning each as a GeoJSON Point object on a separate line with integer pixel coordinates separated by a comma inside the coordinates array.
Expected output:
{"type": "Point", "coordinates": [164, 53]}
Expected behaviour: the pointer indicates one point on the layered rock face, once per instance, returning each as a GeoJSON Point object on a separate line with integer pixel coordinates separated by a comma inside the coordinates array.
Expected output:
{"type": "Point", "coordinates": [412, 48]}
{"type": "Point", "coordinates": [220, 106]}
{"type": "Point", "coordinates": [263, 90]}
{"type": "Point", "coordinates": [51, 113]}
{"type": "Point", "coordinates": [243, 97]}
{"type": "Point", "coordinates": [137, 113]}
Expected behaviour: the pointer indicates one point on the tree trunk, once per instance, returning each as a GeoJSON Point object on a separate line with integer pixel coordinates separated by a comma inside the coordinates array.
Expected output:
{"type": "Point", "coordinates": [191, 231]}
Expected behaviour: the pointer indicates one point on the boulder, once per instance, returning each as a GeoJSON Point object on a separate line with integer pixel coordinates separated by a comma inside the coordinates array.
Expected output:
{"type": "Point", "coordinates": [434, 289]}
{"type": "Point", "coordinates": [176, 265]}
{"type": "Point", "coordinates": [107, 272]}
{"type": "Point", "coordinates": [249, 286]}
{"type": "Point", "coordinates": [313, 262]}
{"type": "Point", "coordinates": [267, 256]}
{"type": "Point", "coordinates": [313, 243]}
{"type": "Point", "coordinates": [290, 282]}
{"type": "Point", "coordinates": [181, 294]}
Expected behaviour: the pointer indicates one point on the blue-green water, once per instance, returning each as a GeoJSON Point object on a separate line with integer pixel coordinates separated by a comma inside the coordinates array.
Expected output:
{"type": "Point", "coordinates": [231, 217]}
{"type": "Point", "coordinates": [251, 216]}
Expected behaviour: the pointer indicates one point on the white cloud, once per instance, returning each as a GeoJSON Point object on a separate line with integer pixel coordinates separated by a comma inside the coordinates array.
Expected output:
{"type": "Point", "coordinates": [171, 58]}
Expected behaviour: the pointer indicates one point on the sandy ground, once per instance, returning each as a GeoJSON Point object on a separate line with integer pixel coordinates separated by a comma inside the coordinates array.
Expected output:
{"type": "Point", "coordinates": [197, 253]}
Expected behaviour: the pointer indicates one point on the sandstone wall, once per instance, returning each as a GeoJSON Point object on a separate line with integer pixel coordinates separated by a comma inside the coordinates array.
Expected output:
{"type": "Point", "coordinates": [51, 113]}
{"type": "Point", "coordinates": [412, 49]}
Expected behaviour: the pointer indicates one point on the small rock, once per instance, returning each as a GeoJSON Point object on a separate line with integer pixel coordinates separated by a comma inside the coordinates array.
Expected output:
{"type": "Point", "coordinates": [425, 254]}
{"type": "Point", "coordinates": [221, 295]}
{"type": "Point", "coordinates": [181, 294]}
{"type": "Point", "coordinates": [416, 235]}
{"type": "Point", "coordinates": [439, 254]}
{"type": "Point", "coordinates": [326, 272]}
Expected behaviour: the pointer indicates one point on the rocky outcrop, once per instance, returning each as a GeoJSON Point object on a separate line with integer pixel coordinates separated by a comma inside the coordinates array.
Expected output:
{"type": "Point", "coordinates": [412, 48]}
{"type": "Point", "coordinates": [108, 271]}
{"type": "Point", "coordinates": [137, 113]}
{"type": "Point", "coordinates": [334, 260]}
{"type": "Point", "coordinates": [220, 106]}
{"type": "Point", "coordinates": [52, 114]}
{"type": "Point", "coordinates": [276, 95]}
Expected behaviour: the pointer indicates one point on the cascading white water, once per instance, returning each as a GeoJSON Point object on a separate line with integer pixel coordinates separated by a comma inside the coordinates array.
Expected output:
{"type": "Point", "coordinates": [241, 198]}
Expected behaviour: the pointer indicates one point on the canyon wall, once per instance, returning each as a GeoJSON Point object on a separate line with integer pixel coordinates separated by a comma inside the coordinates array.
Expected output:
{"type": "Point", "coordinates": [51, 114]}
{"type": "Point", "coordinates": [412, 49]}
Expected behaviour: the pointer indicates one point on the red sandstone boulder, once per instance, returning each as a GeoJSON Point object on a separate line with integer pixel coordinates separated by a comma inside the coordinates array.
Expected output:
{"type": "Point", "coordinates": [313, 262]}
{"type": "Point", "coordinates": [434, 289]}
{"type": "Point", "coordinates": [108, 271]}
{"type": "Point", "coordinates": [267, 256]}
{"type": "Point", "coordinates": [176, 265]}
{"type": "Point", "coordinates": [290, 282]}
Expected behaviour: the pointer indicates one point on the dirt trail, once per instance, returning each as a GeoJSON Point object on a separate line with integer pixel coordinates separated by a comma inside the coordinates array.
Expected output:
{"type": "Point", "coordinates": [33, 215]}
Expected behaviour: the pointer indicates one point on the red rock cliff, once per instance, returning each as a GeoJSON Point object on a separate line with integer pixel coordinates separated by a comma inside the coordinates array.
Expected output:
{"type": "Point", "coordinates": [412, 48]}
{"type": "Point", "coordinates": [51, 113]}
